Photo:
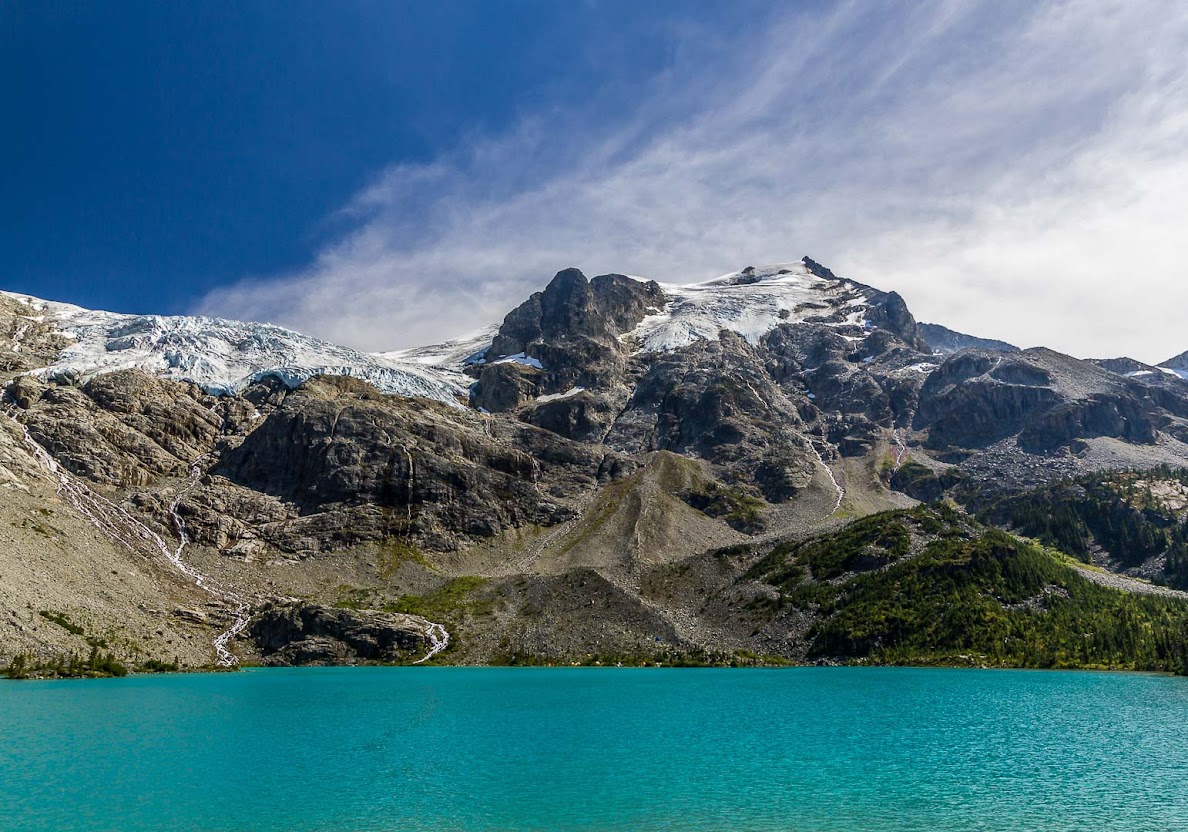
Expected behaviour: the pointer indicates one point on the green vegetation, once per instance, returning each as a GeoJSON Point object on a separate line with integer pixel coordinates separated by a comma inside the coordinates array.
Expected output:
{"type": "Point", "coordinates": [1116, 512]}
{"type": "Point", "coordinates": [740, 509]}
{"type": "Point", "coordinates": [65, 666]}
{"type": "Point", "coordinates": [62, 621]}
{"type": "Point", "coordinates": [353, 598]}
{"type": "Point", "coordinates": [392, 553]}
{"type": "Point", "coordinates": [158, 666]}
{"type": "Point", "coordinates": [928, 586]}
{"type": "Point", "coordinates": [447, 602]}
{"type": "Point", "coordinates": [670, 658]}
{"type": "Point", "coordinates": [865, 544]}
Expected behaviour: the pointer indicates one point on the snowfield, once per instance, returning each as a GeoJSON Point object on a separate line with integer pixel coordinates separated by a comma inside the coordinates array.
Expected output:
{"type": "Point", "coordinates": [752, 303]}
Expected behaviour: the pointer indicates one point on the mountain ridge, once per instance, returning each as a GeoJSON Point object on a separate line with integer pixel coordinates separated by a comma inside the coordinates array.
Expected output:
{"type": "Point", "coordinates": [607, 430]}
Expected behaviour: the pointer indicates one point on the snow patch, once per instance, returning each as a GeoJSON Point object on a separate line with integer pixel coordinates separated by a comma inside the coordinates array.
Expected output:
{"type": "Point", "coordinates": [448, 358]}
{"type": "Point", "coordinates": [520, 358]}
{"type": "Point", "coordinates": [552, 397]}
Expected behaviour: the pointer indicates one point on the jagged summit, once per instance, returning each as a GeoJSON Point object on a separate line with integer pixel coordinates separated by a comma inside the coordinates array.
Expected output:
{"type": "Point", "coordinates": [758, 274]}
{"type": "Point", "coordinates": [1132, 368]}
{"type": "Point", "coordinates": [224, 356]}
{"type": "Point", "coordinates": [817, 269]}
{"type": "Point", "coordinates": [754, 301]}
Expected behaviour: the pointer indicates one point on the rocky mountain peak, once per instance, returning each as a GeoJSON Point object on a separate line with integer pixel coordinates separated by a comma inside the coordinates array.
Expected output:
{"type": "Point", "coordinates": [817, 269]}
{"type": "Point", "coordinates": [568, 306]}
{"type": "Point", "coordinates": [572, 307]}
{"type": "Point", "coordinates": [563, 338]}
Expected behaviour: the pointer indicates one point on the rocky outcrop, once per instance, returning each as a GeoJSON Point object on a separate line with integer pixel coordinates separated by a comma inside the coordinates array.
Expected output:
{"type": "Point", "coordinates": [978, 411]}
{"type": "Point", "coordinates": [411, 466]}
{"type": "Point", "coordinates": [715, 400]}
{"type": "Point", "coordinates": [1124, 366]}
{"type": "Point", "coordinates": [572, 308]}
{"type": "Point", "coordinates": [1179, 364]}
{"type": "Point", "coordinates": [562, 338]}
{"type": "Point", "coordinates": [1045, 399]}
{"type": "Point", "coordinates": [27, 341]}
{"type": "Point", "coordinates": [299, 633]}
{"type": "Point", "coordinates": [1119, 417]}
{"type": "Point", "coordinates": [585, 416]}
{"type": "Point", "coordinates": [123, 429]}
{"type": "Point", "coordinates": [889, 312]}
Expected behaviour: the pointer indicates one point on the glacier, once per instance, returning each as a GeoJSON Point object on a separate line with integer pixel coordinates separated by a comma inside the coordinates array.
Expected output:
{"type": "Point", "coordinates": [223, 356]}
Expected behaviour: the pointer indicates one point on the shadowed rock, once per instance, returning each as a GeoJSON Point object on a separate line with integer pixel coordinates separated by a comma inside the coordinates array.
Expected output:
{"type": "Point", "coordinates": [299, 633]}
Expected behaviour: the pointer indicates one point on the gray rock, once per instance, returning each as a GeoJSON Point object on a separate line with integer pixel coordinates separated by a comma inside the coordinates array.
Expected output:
{"type": "Point", "coordinates": [572, 330]}
{"type": "Point", "coordinates": [299, 633]}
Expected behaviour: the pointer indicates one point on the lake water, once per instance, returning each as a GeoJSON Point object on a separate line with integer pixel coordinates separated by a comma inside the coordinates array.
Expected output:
{"type": "Point", "coordinates": [593, 749]}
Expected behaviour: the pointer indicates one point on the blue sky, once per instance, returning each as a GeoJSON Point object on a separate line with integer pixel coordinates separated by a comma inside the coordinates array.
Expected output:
{"type": "Point", "coordinates": [383, 174]}
{"type": "Point", "coordinates": [157, 150]}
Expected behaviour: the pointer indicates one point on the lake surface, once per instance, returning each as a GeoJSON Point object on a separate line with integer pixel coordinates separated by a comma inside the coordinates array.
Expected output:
{"type": "Point", "coordinates": [593, 749]}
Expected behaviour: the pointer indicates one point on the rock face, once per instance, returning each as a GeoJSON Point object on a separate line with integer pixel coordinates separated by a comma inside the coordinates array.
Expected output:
{"type": "Point", "coordinates": [1126, 367]}
{"type": "Point", "coordinates": [406, 466]}
{"type": "Point", "coordinates": [563, 338]}
{"type": "Point", "coordinates": [122, 429]}
{"type": "Point", "coordinates": [1045, 400]}
{"type": "Point", "coordinates": [303, 634]}
{"type": "Point", "coordinates": [1178, 365]}
{"type": "Point", "coordinates": [716, 401]}
{"type": "Point", "coordinates": [26, 340]}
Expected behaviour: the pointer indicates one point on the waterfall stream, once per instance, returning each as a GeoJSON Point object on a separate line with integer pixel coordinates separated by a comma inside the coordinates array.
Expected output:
{"type": "Point", "coordinates": [119, 525]}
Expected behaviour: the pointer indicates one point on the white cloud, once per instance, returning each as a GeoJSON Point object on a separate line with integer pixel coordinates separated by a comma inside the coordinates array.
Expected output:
{"type": "Point", "coordinates": [1016, 171]}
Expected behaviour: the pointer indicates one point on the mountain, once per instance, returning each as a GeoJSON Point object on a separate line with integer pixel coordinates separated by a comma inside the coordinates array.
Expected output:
{"type": "Point", "coordinates": [1128, 367]}
{"type": "Point", "coordinates": [592, 478]}
{"type": "Point", "coordinates": [945, 341]}
{"type": "Point", "coordinates": [1177, 365]}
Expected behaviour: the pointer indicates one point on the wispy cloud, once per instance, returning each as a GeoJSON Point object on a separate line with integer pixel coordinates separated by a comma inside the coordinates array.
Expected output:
{"type": "Point", "coordinates": [1017, 170]}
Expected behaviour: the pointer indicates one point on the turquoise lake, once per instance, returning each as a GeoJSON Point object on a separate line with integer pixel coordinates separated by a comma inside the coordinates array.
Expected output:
{"type": "Point", "coordinates": [593, 749]}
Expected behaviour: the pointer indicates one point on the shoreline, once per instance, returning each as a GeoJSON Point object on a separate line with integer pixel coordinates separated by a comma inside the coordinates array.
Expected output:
{"type": "Point", "coordinates": [217, 671]}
